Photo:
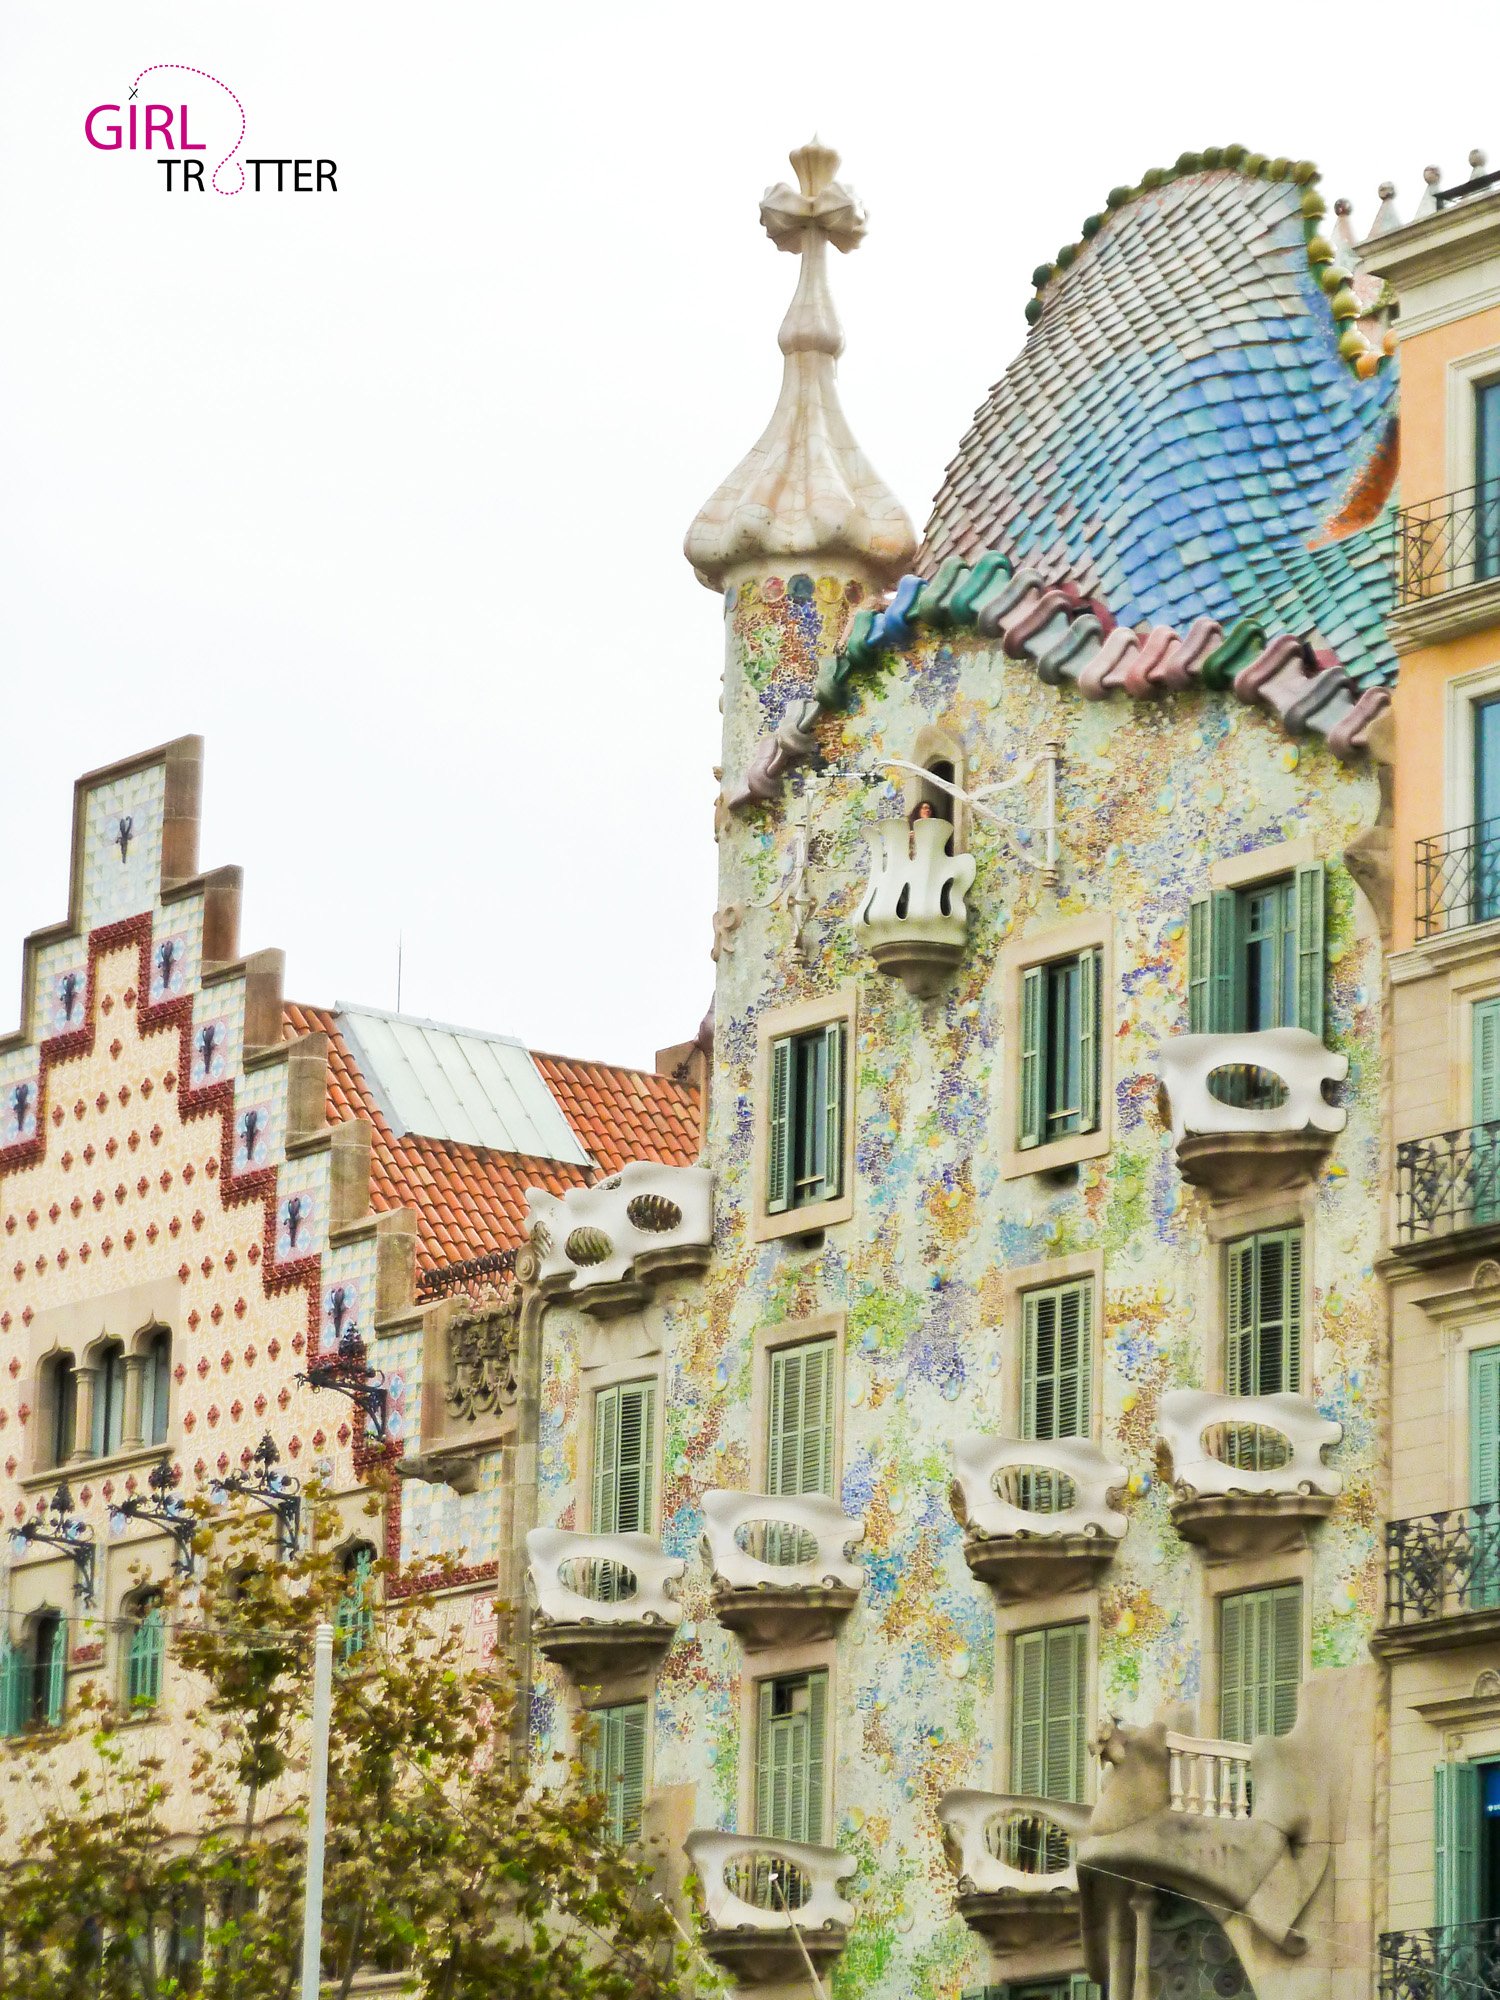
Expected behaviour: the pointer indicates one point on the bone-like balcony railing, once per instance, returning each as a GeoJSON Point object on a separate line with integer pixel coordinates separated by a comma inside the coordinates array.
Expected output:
{"type": "Point", "coordinates": [1007, 1844]}
{"type": "Point", "coordinates": [1012, 1487]}
{"type": "Point", "coordinates": [614, 1239]}
{"type": "Point", "coordinates": [1248, 1444]}
{"type": "Point", "coordinates": [1207, 1777]}
{"type": "Point", "coordinates": [748, 1881]}
{"type": "Point", "coordinates": [793, 1540]}
{"type": "Point", "coordinates": [913, 918]}
{"type": "Point", "coordinates": [616, 1579]}
{"type": "Point", "coordinates": [1296, 1060]}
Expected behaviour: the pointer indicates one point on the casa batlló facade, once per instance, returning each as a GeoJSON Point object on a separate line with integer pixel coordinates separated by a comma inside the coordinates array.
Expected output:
{"type": "Point", "coordinates": [966, 1549]}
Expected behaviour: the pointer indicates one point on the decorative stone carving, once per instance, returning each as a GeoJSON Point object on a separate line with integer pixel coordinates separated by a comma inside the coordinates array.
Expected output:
{"type": "Point", "coordinates": [1248, 1471]}
{"type": "Point", "coordinates": [747, 1928]}
{"type": "Point", "coordinates": [481, 1378]}
{"type": "Point", "coordinates": [605, 1246]}
{"type": "Point", "coordinates": [615, 1611]}
{"type": "Point", "coordinates": [780, 1564]}
{"type": "Point", "coordinates": [913, 920]}
{"type": "Point", "coordinates": [1036, 1513]}
{"type": "Point", "coordinates": [1012, 1859]}
{"type": "Point", "coordinates": [1231, 1149]}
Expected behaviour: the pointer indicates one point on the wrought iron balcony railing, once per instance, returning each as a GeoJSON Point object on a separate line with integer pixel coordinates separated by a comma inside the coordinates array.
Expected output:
{"type": "Point", "coordinates": [1458, 878]}
{"type": "Point", "coordinates": [1450, 1962]}
{"type": "Point", "coordinates": [443, 1281]}
{"type": "Point", "coordinates": [1447, 1184]}
{"type": "Point", "coordinates": [1448, 543]}
{"type": "Point", "coordinates": [1442, 1565]}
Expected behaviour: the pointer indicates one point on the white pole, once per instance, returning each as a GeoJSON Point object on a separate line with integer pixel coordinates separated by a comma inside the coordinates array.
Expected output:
{"type": "Point", "coordinates": [317, 1812]}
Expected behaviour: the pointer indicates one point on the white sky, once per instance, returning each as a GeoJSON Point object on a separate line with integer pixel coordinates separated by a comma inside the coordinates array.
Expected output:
{"type": "Point", "coordinates": [383, 493]}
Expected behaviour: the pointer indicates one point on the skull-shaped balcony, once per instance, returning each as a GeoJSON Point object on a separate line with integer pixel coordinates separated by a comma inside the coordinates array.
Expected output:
{"type": "Point", "coordinates": [1036, 1514]}
{"type": "Point", "coordinates": [1247, 1471]}
{"type": "Point", "coordinates": [769, 1906]}
{"type": "Point", "coordinates": [913, 920]}
{"type": "Point", "coordinates": [1250, 1112]}
{"type": "Point", "coordinates": [605, 1247]}
{"type": "Point", "coordinates": [781, 1564]}
{"type": "Point", "coordinates": [601, 1603]}
{"type": "Point", "coordinates": [1012, 1861]}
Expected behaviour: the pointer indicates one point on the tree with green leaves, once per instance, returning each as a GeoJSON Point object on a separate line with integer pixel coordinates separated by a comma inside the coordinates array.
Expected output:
{"type": "Point", "coordinates": [148, 1858]}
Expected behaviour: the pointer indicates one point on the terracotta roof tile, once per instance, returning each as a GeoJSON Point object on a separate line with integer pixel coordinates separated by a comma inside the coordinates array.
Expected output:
{"type": "Point", "coordinates": [470, 1200]}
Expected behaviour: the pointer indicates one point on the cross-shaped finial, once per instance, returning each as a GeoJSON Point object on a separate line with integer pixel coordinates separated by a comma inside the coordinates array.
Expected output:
{"type": "Point", "coordinates": [802, 219]}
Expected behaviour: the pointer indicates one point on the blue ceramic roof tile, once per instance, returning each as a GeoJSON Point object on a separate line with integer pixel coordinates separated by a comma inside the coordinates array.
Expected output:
{"type": "Point", "coordinates": [1180, 429]}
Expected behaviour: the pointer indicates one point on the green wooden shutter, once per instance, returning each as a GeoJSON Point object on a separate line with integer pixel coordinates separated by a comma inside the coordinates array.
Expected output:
{"type": "Point", "coordinates": [1486, 1033]}
{"type": "Point", "coordinates": [1081, 1987]}
{"type": "Point", "coordinates": [1057, 1360]}
{"type": "Point", "coordinates": [816, 1754]}
{"type": "Point", "coordinates": [13, 1684]}
{"type": "Point", "coordinates": [1456, 1825]}
{"type": "Point", "coordinates": [799, 1443]}
{"type": "Point", "coordinates": [636, 1405]}
{"type": "Point", "coordinates": [1484, 1426]}
{"type": "Point", "coordinates": [1292, 1266]}
{"type": "Point", "coordinates": [632, 1735]}
{"type": "Point", "coordinates": [147, 1637]}
{"type": "Point", "coordinates": [614, 1759]}
{"type": "Point", "coordinates": [1225, 999]}
{"type": "Point", "coordinates": [56, 1669]}
{"type": "Point", "coordinates": [1090, 997]}
{"type": "Point", "coordinates": [606, 1460]}
{"type": "Point", "coordinates": [1033, 1038]}
{"type": "Point", "coordinates": [1232, 1669]}
{"type": "Point", "coordinates": [833, 1110]}
{"type": "Point", "coordinates": [779, 1129]}
{"type": "Point", "coordinates": [1312, 976]}
{"type": "Point", "coordinates": [1028, 1713]}
{"type": "Point", "coordinates": [1200, 964]}
{"type": "Point", "coordinates": [354, 1619]}
{"type": "Point", "coordinates": [1240, 1318]}
{"type": "Point", "coordinates": [766, 1801]}
{"type": "Point", "coordinates": [1063, 1761]}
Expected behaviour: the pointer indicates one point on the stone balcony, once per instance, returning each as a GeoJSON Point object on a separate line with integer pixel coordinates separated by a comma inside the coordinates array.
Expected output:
{"type": "Point", "coordinates": [1247, 1471]}
{"type": "Point", "coordinates": [1036, 1514]}
{"type": "Point", "coordinates": [780, 1563]}
{"type": "Point", "coordinates": [913, 920]}
{"type": "Point", "coordinates": [600, 1603]}
{"type": "Point", "coordinates": [770, 1905]}
{"type": "Point", "coordinates": [1250, 1113]}
{"type": "Point", "coordinates": [606, 1247]}
{"type": "Point", "coordinates": [1012, 1860]}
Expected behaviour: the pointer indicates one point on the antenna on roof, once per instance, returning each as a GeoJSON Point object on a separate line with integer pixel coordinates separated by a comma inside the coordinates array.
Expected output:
{"type": "Point", "coordinates": [400, 953]}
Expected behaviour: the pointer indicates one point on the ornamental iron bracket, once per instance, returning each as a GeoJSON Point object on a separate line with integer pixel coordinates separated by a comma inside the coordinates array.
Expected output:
{"type": "Point", "coordinates": [261, 1484]}
{"type": "Point", "coordinates": [347, 1372]}
{"type": "Point", "coordinates": [165, 1510]}
{"type": "Point", "coordinates": [58, 1528]}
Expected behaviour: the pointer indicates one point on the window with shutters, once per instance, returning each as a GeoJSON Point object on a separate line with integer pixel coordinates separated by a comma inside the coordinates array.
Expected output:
{"type": "Point", "coordinates": [108, 1363]}
{"type": "Point", "coordinates": [156, 1387]}
{"type": "Point", "coordinates": [1263, 1324]}
{"type": "Point", "coordinates": [60, 1403]}
{"type": "Point", "coordinates": [791, 1757]}
{"type": "Point", "coordinates": [145, 1650]}
{"type": "Point", "coordinates": [1481, 1590]}
{"type": "Point", "coordinates": [799, 1439]}
{"type": "Point", "coordinates": [622, 1476]}
{"type": "Point", "coordinates": [1059, 1084]}
{"type": "Point", "coordinates": [1260, 1662]}
{"type": "Point", "coordinates": [34, 1676]}
{"type": "Point", "coordinates": [354, 1619]}
{"type": "Point", "coordinates": [1256, 957]}
{"type": "Point", "coordinates": [1057, 1340]}
{"type": "Point", "coordinates": [805, 1137]}
{"type": "Point", "coordinates": [1048, 1727]}
{"type": "Point", "coordinates": [614, 1762]}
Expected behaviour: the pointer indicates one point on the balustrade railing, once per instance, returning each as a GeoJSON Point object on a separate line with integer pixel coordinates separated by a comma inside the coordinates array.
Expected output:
{"type": "Point", "coordinates": [1447, 1184]}
{"type": "Point", "coordinates": [1208, 1778]}
{"type": "Point", "coordinates": [1443, 1565]}
{"type": "Point", "coordinates": [1458, 878]}
{"type": "Point", "coordinates": [1446, 543]}
{"type": "Point", "coordinates": [1448, 1962]}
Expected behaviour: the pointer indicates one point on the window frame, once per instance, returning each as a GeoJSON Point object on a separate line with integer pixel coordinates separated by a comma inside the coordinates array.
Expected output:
{"type": "Point", "coordinates": [1041, 948]}
{"type": "Point", "coordinates": [354, 1615]}
{"type": "Point", "coordinates": [599, 1394]}
{"type": "Point", "coordinates": [140, 1608]}
{"type": "Point", "coordinates": [1029, 1298]}
{"type": "Point", "coordinates": [1295, 1323]}
{"type": "Point", "coordinates": [819, 1795]}
{"type": "Point", "coordinates": [1080, 1631]}
{"type": "Point", "coordinates": [594, 1750]}
{"type": "Point", "coordinates": [776, 1024]}
{"type": "Point", "coordinates": [1269, 1594]}
{"type": "Point", "coordinates": [769, 1341]}
{"type": "Point", "coordinates": [1218, 945]}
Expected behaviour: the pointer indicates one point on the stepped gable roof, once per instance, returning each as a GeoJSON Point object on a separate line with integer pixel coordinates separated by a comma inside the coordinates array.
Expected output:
{"type": "Point", "coordinates": [1201, 423]}
{"type": "Point", "coordinates": [469, 1199]}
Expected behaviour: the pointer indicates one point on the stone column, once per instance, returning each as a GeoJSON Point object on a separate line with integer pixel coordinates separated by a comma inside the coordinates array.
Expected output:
{"type": "Point", "coordinates": [133, 1428]}
{"type": "Point", "coordinates": [1143, 1903]}
{"type": "Point", "coordinates": [87, 1380]}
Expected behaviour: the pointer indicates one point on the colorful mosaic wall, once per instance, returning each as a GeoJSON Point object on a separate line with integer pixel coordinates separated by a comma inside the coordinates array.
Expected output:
{"type": "Point", "coordinates": [1149, 796]}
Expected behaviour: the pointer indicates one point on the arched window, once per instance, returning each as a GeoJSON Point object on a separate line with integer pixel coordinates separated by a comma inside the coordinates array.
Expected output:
{"type": "Point", "coordinates": [60, 1408]}
{"type": "Point", "coordinates": [109, 1398]}
{"type": "Point", "coordinates": [145, 1650]}
{"type": "Point", "coordinates": [354, 1621]}
{"type": "Point", "coordinates": [34, 1676]}
{"type": "Point", "coordinates": [156, 1387]}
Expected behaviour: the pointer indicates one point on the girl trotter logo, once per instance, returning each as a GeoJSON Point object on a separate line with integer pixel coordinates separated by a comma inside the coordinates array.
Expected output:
{"type": "Point", "coordinates": [136, 127]}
